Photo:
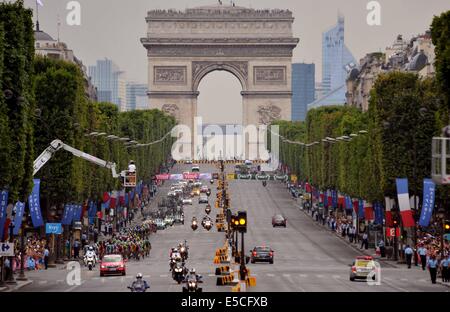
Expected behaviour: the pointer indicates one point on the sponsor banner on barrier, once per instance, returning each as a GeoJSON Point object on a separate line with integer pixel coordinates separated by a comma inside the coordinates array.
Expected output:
{"type": "Point", "coordinates": [231, 176]}
{"type": "Point", "coordinates": [190, 176]}
{"type": "Point", "coordinates": [163, 176]}
{"type": "Point", "coordinates": [262, 177]}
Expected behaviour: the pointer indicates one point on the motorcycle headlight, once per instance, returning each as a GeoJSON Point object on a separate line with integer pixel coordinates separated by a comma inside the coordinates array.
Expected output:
{"type": "Point", "coordinates": [191, 284]}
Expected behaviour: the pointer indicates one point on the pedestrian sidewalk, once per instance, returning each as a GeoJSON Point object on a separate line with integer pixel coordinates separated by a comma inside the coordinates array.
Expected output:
{"type": "Point", "coordinates": [19, 285]}
{"type": "Point", "coordinates": [369, 252]}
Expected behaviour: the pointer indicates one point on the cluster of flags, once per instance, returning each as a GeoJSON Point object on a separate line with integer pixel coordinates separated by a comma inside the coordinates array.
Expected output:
{"type": "Point", "coordinates": [378, 211]}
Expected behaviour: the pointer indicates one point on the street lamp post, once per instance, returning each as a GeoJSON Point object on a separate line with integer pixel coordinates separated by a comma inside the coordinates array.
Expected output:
{"type": "Point", "coordinates": [22, 276]}
{"type": "Point", "coordinates": [11, 280]}
{"type": "Point", "coordinates": [441, 217]}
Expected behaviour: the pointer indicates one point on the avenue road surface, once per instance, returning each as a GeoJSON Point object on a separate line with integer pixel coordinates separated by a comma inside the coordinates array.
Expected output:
{"type": "Point", "coordinates": [307, 257]}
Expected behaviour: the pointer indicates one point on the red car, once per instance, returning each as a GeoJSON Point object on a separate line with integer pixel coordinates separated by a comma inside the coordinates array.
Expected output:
{"type": "Point", "coordinates": [112, 265]}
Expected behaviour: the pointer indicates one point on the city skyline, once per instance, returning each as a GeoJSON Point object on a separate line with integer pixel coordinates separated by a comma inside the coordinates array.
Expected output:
{"type": "Point", "coordinates": [93, 42]}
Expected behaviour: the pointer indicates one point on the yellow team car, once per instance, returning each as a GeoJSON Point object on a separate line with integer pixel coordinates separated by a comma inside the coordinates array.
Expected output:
{"type": "Point", "coordinates": [362, 267]}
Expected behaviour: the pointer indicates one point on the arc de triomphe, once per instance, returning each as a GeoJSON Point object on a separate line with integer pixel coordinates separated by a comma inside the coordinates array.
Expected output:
{"type": "Point", "coordinates": [254, 45]}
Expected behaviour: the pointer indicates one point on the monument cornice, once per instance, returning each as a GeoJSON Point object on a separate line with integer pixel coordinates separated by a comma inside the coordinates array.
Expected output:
{"type": "Point", "coordinates": [171, 94]}
{"type": "Point", "coordinates": [220, 50]}
{"type": "Point", "coordinates": [267, 94]}
{"type": "Point", "coordinates": [223, 41]}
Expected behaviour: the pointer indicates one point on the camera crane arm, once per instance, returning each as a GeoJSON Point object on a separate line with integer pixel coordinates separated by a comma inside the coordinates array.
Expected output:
{"type": "Point", "coordinates": [56, 145]}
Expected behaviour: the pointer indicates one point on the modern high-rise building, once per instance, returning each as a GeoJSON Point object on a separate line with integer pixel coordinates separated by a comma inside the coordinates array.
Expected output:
{"type": "Point", "coordinates": [137, 97]}
{"type": "Point", "coordinates": [106, 76]}
{"type": "Point", "coordinates": [337, 61]}
{"type": "Point", "coordinates": [303, 89]}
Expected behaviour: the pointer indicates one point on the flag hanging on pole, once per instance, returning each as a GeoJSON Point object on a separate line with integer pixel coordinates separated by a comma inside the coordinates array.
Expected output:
{"type": "Point", "coordinates": [34, 205]}
{"type": "Point", "coordinates": [428, 202]}
{"type": "Point", "coordinates": [20, 209]}
{"type": "Point", "coordinates": [389, 203]}
{"type": "Point", "coordinates": [3, 206]}
{"type": "Point", "coordinates": [403, 202]}
{"type": "Point", "coordinates": [368, 211]}
{"type": "Point", "coordinates": [361, 209]}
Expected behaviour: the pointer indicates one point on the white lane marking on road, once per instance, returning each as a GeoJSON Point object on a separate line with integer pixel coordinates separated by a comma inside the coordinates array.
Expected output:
{"type": "Point", "coordinates": [163, 275]}
{"type": "Point", "coordinates": [404, 279]}
{"type": "Point", "coordinates": [303, 275]}
{"type": "Point", "coordinates": [43, 282]}
{"type": "Point", "coordinates": [73, 287]}
{"type": "Point", "coordinates": [336, 276]}
{"type": "Point", "coordinates": [211, 275]}
{"type": "Point", "coordinates": [319, 275]}
{"type": "Point", "coordinates": [286, 275]}
{"type": "Point", "coordinates": [270, 275]}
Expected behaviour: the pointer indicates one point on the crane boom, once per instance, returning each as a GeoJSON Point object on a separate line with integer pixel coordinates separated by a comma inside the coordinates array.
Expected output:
{"type": "Point", "coordinates": [56, 145]}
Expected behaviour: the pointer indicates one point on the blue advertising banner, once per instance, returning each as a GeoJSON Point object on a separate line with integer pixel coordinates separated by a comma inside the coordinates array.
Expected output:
{"type": "Point", "coordinates": [348, 203]}
{"type": "Point", "coordinates": [325, 199]}
{"type": "Point", "coordinates": [35, 206]}
{"type": "Point", "coordinates": [77, 213]}
{"type": "Point", "coordinates": [3, 206]}
{"type": "Point", "coordinates": [68, 214]}
{"type": "Point", "coordinates": [361, 214]}
{"type": "Point", "coordinates": [92, 209]}
{"type": "Point", "coordinates": [429, 189]}
{"type": "Point", "coordinates": [378, 207]}
{"type": "Point", "coordinates": [334, 199]}
{"type": "Point", "coordinates": [20, 209]}
{"type": "Point", "coordinates": [53, 228]}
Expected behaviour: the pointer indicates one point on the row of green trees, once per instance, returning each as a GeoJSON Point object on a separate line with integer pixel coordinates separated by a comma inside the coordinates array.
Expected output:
{"type": "Point", "coordinates": [405, 113]}
{"type": "Point", "coordinates": [52, 104]}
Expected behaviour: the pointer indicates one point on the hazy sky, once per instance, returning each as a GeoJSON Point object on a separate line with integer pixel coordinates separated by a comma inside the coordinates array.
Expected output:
{"type": "Point", "coordinates": [112, 28]}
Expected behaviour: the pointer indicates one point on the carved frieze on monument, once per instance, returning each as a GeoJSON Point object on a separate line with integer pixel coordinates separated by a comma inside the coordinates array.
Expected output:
{"type": "Point", "coordinates": [268, 113]}
{"type": "Point", "coordinates": [270, 74]}
{"type": "Point", "coordinates": [170, 74]}
{"type": "Point", "coordinates": [172, 110]}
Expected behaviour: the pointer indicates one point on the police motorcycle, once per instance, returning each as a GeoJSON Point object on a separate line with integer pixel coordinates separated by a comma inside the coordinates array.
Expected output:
{"type": "Point", "coordinates": [90, 258]}
{"type": "Point", "coordinates": [179, 272]}
{"type": "Point", "coordinates": [174, 258]}
{"type": "Point", "coordinates": [192, 280]}
{"type": "Point", "coordinates": [207, 223]}
{"type": "Point", "coordinates": [194, 225]}
{"type": "Point", "coordinates": [139, 285]}
{"type": "Point", "coordinates": [183, 248]}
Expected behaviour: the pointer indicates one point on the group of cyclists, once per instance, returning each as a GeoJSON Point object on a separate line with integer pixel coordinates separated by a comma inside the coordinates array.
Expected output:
{"type": "Point", "coordinates": [131, 243]}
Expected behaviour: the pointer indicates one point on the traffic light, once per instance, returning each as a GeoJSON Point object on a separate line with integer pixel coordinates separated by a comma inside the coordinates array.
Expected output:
{"type": "Point", "coordinates": [447, 226]}
{"type": "Point", "coordinates": [234, 222]}
{"type": "Point", "coordinates": [242, 221]}
{"type": "Point", "coordinates": [395, 222]}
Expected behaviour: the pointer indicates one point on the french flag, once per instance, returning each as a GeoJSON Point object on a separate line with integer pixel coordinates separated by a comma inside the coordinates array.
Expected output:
{"type": "Point", "coordinates": [341, 200]}
{"type": "Point", "coordinates": [368, 211]}
{"type": "Point", "coordinates": [388, 215]}
{"type": "Point", "coordinates": [404, 204]}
